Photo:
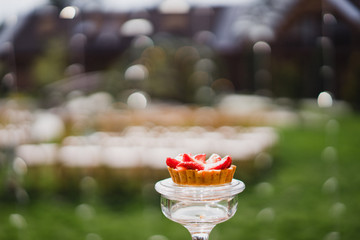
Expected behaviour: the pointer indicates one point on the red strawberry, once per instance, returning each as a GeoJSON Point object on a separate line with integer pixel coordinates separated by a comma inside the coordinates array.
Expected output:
{"type": "Point", "coordinates": [187, 158]}
{"type": "Point", "coordinates": [180, 167]}
{"type": "Point", "coordinates": [192, 165]}
{"type": "Point", "coordinates": [222, 164]}
{"type": "Point", "coordinates": [228, 160]}
{"type": "Point", "coordinates": [200, 157]}
{"type": "Point", "coordinates": [172, 162]}
{"type": "Point", "coordinates": [214, 158]}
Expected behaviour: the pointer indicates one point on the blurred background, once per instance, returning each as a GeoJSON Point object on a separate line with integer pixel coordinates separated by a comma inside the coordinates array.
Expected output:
{"type": "Point", "coordinates": [94, 95]}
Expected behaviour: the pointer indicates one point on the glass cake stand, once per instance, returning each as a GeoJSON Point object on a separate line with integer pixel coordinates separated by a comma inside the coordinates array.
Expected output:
{"type": "Point", "coordinates": [199, 208]}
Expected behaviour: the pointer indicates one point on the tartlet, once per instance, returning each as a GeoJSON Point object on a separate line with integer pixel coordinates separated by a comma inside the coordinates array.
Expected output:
{"type": "Point", "coordinates": [196, 170]}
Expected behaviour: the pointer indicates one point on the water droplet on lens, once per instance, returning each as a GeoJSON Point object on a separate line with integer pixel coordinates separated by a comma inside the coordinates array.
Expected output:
{"type": "Point", "coordinates": [19, 166]}
{"type": "Point", "coordinates": [332, 127]}
{"type": "Point", "coordinates": [69, 12]}
{"type": "Point", "coordinates": [17, 220]}
{"type": "Point", "coordinates": [85, 211]}
{"type": "Point", "coordinates": [136, 72]}
{"type": "Point", "coordinates": [93, 236]}
{"type": "Point", "coordinates": [266, 215]}
{"type": "Point", "coordinates": [337, 209]}
{"type": "Point", "coordinates": [137, 100]}
{"type": "Point", "coordinates": [262, 47]}
{"type": "Point", "coordinates": [205, 95]}
{"type": "Point", "coordinates": [22, 196]}
{"type": "Point", "coordinates": [325, 100]}
{"type": "Point", "coordinates": [329, 154]}
{"type": "Point", "coordinates": [332, 236]}
{"type": "Point", "coordinates": [328, 18]}
{"type": "Point", "coordinates": [264, 189]}
{"type": "Point", "coordinates": [157, 237]}
{"type": "Point", "coordinates": [330, 185]}
{"type": "Point", "coordinates": [88, 184]}
{"type": "Point", "coordinates": [263, 160]}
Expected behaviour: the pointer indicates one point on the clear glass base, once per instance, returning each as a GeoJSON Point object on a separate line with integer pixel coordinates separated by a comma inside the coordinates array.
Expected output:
{"type": "Point", "coordinates": [199, 208]}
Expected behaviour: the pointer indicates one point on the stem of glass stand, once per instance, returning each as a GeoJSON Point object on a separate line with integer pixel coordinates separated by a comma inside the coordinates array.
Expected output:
{"type": "Point", "coordinates": [200, 236]}
{"type": "Point", "coordinates": [200, 232]}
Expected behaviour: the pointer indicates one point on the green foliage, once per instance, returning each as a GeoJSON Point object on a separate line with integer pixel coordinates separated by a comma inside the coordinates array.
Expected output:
{"type": "Point", "coordinates": [50, 66]}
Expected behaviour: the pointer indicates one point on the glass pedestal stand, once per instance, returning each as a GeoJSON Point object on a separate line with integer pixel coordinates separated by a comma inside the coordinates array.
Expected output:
{"type": "Point", "coordinates": [199, 208]}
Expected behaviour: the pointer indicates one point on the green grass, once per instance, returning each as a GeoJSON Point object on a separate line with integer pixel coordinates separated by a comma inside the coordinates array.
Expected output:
{"type": "Point", "coordinates": [303, 196]}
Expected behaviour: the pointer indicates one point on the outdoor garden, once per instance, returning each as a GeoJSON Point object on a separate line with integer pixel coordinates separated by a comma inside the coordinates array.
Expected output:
{"type": "Point", "coordinates": [301, 185]}
{"type": "Point", "coordinates": [92, 104]}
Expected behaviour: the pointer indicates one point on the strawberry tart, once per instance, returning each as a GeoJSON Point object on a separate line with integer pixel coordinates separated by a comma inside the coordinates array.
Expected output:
{"type": "Point", "coordinates": [197, 170]}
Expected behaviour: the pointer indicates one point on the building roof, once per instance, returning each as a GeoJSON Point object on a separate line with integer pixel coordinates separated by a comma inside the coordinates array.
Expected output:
{"type": "Point", "coordinates": [228, 24]}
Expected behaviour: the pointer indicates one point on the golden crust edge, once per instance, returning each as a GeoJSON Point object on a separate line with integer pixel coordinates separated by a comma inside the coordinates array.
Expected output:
{"type": "Point", "coordinates": [202, 177]}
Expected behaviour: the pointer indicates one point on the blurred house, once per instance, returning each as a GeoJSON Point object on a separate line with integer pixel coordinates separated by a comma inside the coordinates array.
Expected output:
{"type": "Point", "coordinates": [285, 48]}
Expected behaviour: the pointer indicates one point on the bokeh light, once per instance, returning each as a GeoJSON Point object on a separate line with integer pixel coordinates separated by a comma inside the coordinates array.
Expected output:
{"type": "Point", "coordinates": [143, 41]}
{"type": "Point", "coordinates": [136, 72]}
{"type": "Point", "coordinates": [47, 127]}
{"type": "Point", "coordinates": [174, 7]}
{"type": "Point", "coordinates": [329, 18]}
{"type": "Point", "coordinates": [93, 236]}
{"type": "Point", "coordinates": [69, 12]}
{"type": "Point", "coordinates": [18, 221]}
{"type": "Point", "coordinates": [330, 185]}
{"type": "Point", "coordinates": [266, 215]}
{"type": "Point", "coordinates": [262, 47]}
{"type": "Point", "coordinates": [332, 236]}
{"type": "Point", "coordinates": [85, 211]}
{"type": "Point", "coordinates": [135, 27]}
{"type": "Point", "coordinates": [325, 100]}
{"type": "Point", "coordinates": [20, 166]}
{"type": "Point", "coordinates": [264, 189]}
{"type": "Point", "coordinates": [137, 100]}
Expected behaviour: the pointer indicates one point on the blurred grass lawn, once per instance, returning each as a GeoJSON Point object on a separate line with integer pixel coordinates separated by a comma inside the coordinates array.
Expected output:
{"type": "Point", "coordinates": [303, 196]}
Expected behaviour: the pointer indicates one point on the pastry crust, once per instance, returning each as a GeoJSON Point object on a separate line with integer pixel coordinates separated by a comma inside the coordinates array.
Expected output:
{"type": "Point", "coordinates": [202, 177]}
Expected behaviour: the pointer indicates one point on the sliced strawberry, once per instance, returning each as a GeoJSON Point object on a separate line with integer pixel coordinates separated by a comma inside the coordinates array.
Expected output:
{"type": "Point", "coordinates": [213, 158]}
{"type": "Point", "coordinates": [172, 162]}
{"type": "Point", "coordinates": [192, 165]}
{"type": "Point", "coordinates": [180, 167]}
{"type": "Point", "coordinates": [228, 160]}
{"type": "Point", "coordinates": [222, 164]}
{"type": "Point", "coordinates": [200, 157]}
{"type": "Point", "coordinates": [187, 158]}
{"type": "Point", "coordinates": [192, 162]}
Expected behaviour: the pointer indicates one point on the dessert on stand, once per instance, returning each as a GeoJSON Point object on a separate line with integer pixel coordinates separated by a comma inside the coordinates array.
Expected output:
{"type": "Point", "coordinates": [200, 193]}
